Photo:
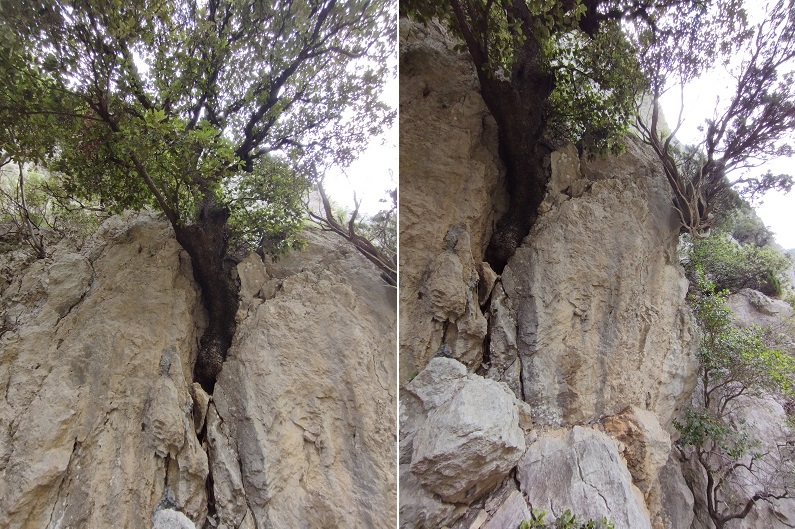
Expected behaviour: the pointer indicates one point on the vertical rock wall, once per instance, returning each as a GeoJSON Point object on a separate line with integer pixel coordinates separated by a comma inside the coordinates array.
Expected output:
{"type": "Point", "coordinates": [450, 171]}
{"type": "Point", "coordinates": [96, 422]}
{"type": "Point", "coordinates": [599, 294]}
{"type": "Point", "coordinates": [101, 424]}
{"type": "Point", "coordinates": [586, 333]}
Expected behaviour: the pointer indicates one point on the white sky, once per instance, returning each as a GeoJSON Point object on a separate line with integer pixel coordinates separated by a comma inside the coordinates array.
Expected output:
{"type": "Point", "coordinates": [373, 174]}
{"type": "Point", "coordinates": [775, 209]}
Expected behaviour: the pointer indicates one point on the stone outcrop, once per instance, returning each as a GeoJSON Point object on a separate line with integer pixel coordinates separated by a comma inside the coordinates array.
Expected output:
{"type": "Point", "coordinates": [580, 469]}
{"type": "Point", "coordinates": [96, 425]}
{"type": "Point", "coordinates": [599, 294]}
{"type": "Point", "coordinates": [469, 442]}
{"type": "Point", "coordinates": [449, 164]}
{"type": "Point", "coordinates": [102, 425]}
{"type": "Point", "coordinates": [587, 328]}
{"type": "Point", "coordinates": [307, 395]}
{"type": "Point", "coordinates": [461, 434]}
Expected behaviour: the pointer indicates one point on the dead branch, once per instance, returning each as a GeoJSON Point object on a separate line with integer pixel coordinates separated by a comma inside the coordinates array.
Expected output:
{"type": "Point", "coordinates": [327, 221]}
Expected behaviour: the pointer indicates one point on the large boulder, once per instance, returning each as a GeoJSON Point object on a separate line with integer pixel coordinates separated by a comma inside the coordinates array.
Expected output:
{"type": "Point", "coordinates": [581, 470]}
{"type": "Point", "coordinates": [460, 437]}
{"type": "Point", "coordinates": [599, 295]}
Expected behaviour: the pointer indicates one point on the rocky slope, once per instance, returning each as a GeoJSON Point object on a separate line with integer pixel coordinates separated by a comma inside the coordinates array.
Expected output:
{"type": "Point", "coordinates": [102, 426]}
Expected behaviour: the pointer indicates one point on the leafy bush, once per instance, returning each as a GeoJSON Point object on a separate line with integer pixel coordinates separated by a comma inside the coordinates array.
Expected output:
{"type": "Point", "coordinates": [734, 363]}
{"type": "Point", "coordinates": [47, 214]}
{"type": "Point", "coordinates": [749, 228]}
{"type": "Point", "coordinates": [733, 267]}
{"type": "Point", "coordinates": [567, 520]}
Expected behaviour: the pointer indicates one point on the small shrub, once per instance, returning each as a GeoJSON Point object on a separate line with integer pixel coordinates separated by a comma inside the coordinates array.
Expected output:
{"type": "Point", "coordinates": [733, 267]}
{"type": "Point", "coordinates": [567, 520]}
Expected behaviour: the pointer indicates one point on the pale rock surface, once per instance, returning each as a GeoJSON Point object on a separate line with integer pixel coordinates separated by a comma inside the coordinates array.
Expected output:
{"type": "Point", "coordinates": [96, 398]}
{"type": "Point", "coordinates": [450, 178]}
{"type": "Point", "coordinates": [171, 519]}
{"type": "Point", "coordinates": [230, 495]}
{"type": "Point", "coordinates": [504, 363]}
{"type": "Point", "coordinates": [671, 501]}
{"type": "Point", "coordinates": [306, 399]}
{"type": "Point", "coordinates": [470, 443]}
{"type": "Point", "coordinates": [599, 297]}
{"type": "Point", "coordinates": [751, 307]}
{"type": "Point", "coordinates": [460, 435]}
{"type": "Point", "coordinates": [99, 419]}
{"type": "Point", "coordinates": [510, 513]}
{"type": "Point", "coordinates": [581, 470]}
{"type": "Point", "coordinates": [420, 509]}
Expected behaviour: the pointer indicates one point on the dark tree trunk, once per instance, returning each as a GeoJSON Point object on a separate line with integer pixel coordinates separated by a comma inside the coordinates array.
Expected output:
{"type": "Point", "coordinates": [519, 107]}
{"type": "Point", "coordinates": [206, 243]}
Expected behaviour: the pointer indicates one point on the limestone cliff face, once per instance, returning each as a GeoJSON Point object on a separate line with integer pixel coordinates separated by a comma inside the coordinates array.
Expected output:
{"type": "Point", "coordinates": [586, 331]}
{"type": "Point", "coordinates": [451, 173]}
{"type": "Point", "coordinates": [102, 426]}
{"type": "Point", "coordinates": [598, 294]}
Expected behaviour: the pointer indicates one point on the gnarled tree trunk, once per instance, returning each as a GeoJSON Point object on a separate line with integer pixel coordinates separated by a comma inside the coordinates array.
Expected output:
{"type": "Point", "coordinates": [206, 243]}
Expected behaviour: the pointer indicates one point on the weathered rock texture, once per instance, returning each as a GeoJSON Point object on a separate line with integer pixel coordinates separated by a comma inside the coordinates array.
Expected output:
{"type": "Point", "coordinates": [96, 426]}
{"type": "Point", "coordinates": [449, 164]}
{"type": "Point", "coordinates": [100, 423]}
{"type": "Point", "coordinates": [307, 395]}
{"type": "Point", "coordinates": [599, 294]}
{"type": "Point", "coordinates": [581, 470]}
{"type": "Point", "coordinates": [460, 437]}
{"type": "Point", "coordinates": [587, 328]}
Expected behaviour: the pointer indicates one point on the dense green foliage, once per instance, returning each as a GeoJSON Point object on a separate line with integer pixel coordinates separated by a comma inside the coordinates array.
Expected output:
{"type": "Point", "coordinates": [733, 267]}
{"type": "Point", "coordinates": [566, 520]}
{"type": "Point", "coordinates": [166, 103]}
{"type": "Point", "coordinates": [596, 75]}
{"type": "Point", "coordinates": [734, 364]}
{"type": "Point", "coordinates": [219, 113]}
{"type": "Point", "coordinates": [746, 227]}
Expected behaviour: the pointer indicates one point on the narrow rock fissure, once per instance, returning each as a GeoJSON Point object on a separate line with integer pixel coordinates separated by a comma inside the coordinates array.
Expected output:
{"type": "Point", "coordinates": [212, 511]}
{"type": "Point", "coordinates": [79, 301]}
{"type": "Point", "coordinates": [66, 477]}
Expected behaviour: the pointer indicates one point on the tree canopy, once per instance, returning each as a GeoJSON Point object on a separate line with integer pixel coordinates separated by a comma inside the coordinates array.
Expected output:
{"type": "Point", "coordinates": [550, 73]}
{"type": "Point", "coordinates": [163, 103]}
{"type": "Point", "coordinates": [554, 72]}
{"type": "Point", "coordinates": [754, 122]}
{"type": "Point", "coordinates": [213, 111]}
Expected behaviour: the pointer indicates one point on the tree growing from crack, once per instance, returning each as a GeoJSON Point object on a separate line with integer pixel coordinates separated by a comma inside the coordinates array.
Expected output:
{"type": "Point", "coordinates": [574, 71]}
{"type": "Point", "coordinates": [219, 113]}
{"type": "Point", "coordinates": [549, 73]}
